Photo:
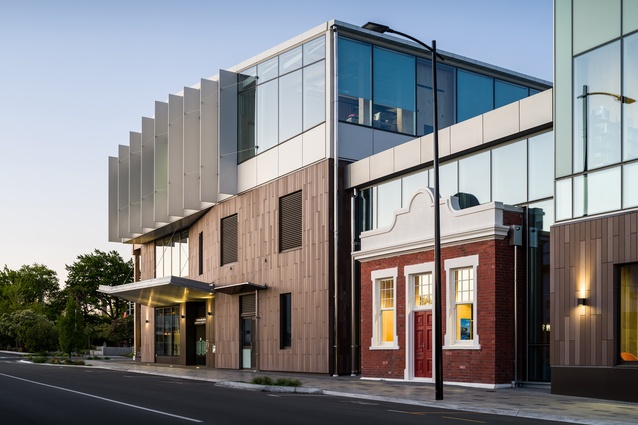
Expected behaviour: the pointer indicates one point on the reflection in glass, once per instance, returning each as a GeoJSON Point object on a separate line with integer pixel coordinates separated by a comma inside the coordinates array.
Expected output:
{"type": "Point", "coordinates": [547, 208]}
{"type": "Point", "coordinates": [630, 88]}
{"type": "Point", "coordinates": [541, 166]}
{"type": "Point", "coordinates": [597, 192]}
{"type": "Point", "coordinates": [411, 184]}
{"type": "Point", "coordinates": [290, 60]}
{"type": "Point", "coordinates": [314, 50]}
{"type": "Point", "coordinates": [393, 87]}
{"type": "Point", "coordinates": [509, 173]}
{"type": "Point", "coordinates": [355, 81]}
{"type": "Point", "coordinates": [388, 200]}
{"type": "Point", "coordinates": [445, 83]}
{"type": "Point", "coordinates": [246, 125]}
{"type": "Point", "coordinates": [448, 179]}
{"type": "Point", "coordinates": [290, 105]}
{"type": "Point", "coordinates": [314, 95]}
{"type": "Point", "coordinates": [563, 199]}
{"type": "Point", "coordinates": [475, 94]}
{"type": "Point", "coordinates": [597, 71]}
{"type": "Point", "coordinates": [267, 115]}
{"type": "Point", "coordinates": [506, 93]}
{"type": "Point", "coordinates": [474, 176]}
{"type": "Point", "coordinates": [268, 70]}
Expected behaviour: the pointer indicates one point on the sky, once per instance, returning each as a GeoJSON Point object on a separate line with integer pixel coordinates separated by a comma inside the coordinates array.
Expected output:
{"type": "Point", "coordinates": [77, 76]}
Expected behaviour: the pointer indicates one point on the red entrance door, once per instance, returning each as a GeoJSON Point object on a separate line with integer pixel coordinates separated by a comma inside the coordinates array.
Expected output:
{"type": "Point", "coordinates": [423, 344]}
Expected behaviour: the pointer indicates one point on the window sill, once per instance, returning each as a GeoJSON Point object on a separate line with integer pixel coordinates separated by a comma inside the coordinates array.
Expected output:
{"type": "Point", "coordinates": [384, 347]}
{"type": "Point", "coordinates": [462, 347]}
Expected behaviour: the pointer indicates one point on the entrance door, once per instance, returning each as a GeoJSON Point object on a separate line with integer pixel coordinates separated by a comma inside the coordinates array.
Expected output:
{"type": "Point", "coordinates": [246, 342]}
{"type": "Point", "coordinates": [423, 344]}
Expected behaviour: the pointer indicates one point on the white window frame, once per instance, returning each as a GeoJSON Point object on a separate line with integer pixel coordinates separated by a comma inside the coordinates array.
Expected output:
{"type": "Point", "coordinates": [450, 266]}
{"type": "Point", "coordinates": [376, 277]}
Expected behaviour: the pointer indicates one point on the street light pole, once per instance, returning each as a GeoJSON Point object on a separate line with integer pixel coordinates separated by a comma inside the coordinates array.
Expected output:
{"type": "Point", "coordinates": [438, 325]}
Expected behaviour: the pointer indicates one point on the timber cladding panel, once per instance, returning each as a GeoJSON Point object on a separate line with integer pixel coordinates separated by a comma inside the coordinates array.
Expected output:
{"type": "Point", "coordinates": [583, 260]}
{"type": "Point", "coordinates": [303, 272]}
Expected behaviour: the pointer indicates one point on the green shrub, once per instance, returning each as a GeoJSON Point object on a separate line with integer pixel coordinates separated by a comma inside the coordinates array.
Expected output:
{"type": "Point", "coordinates": [38, 359]}
{"type": "Point", "coordinates": [262, 380]}
{"type": "Point", "coordinates": [281, 382]}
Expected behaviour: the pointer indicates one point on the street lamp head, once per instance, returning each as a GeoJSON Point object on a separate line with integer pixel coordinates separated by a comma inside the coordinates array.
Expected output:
{"type": "Point", "coordinates": [380, 28]}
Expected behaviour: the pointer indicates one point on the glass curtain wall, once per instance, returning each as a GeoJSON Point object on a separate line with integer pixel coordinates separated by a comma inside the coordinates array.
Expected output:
{"type": "Point", "coordinates": [392, 91]}
{"type": "Point", "coordinates": [483, 177]}
{"type": "Point", "coordinates": [167, 334]}
{"type": "Point", "coordinates": [280, 98]}
{"type": "Point", "coordinates": [171, 255]}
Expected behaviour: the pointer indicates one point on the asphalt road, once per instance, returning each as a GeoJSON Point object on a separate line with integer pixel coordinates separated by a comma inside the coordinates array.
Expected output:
{"type": "Point", "coordinates": [51, 394]}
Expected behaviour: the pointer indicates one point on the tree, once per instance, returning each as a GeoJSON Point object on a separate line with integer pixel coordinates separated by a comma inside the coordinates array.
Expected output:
{"type": "Point", "coordinates": [90, 271]}
{"type": "Point", "coordinates": [32, 331]}
{"type": "Point", "coordinates": [71, 328]}
{"type": "Point", "coordinates": [33, 287]}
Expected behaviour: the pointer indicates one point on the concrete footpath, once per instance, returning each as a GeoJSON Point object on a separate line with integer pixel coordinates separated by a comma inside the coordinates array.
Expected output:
{"type": "Point", "coordinates": [536, 403]}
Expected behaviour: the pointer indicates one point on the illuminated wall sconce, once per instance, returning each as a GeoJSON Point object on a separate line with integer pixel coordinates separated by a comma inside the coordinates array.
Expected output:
{"type": "Point", "coordinates": [581, 301]}
{"type": "Point", "coordinates": [183, 316]}
{"type": "Point", "coordinates": [146, 320]}
{"type": "Point", "coordinates": [210, 314]}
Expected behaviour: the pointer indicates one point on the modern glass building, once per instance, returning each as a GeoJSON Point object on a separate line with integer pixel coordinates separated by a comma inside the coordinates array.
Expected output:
{"type": "Point", "coordinates": [594, 242]}
{"type": "Point", "coordinates": [232, 196]}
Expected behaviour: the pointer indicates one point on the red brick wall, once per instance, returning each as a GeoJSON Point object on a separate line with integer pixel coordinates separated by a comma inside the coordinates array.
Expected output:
{"type": "Point", "coordinates": [493, 363]}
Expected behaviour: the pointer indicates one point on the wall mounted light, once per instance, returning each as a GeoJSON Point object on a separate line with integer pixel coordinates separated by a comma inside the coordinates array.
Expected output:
{"type": "Point", "coordinates": [183, 316]}
{"type": "Point", "coordinates": [210, 314]}
{"type": "Point", "coordinates": [581, 301]}
{"type": "Point", "coordinates": [146, 320]}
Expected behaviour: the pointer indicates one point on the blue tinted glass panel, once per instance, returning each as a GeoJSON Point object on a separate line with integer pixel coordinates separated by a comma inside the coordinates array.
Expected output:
{"type": "Point", "coordinates": [541, 166]}
{"type": "Point", "coordinates": [290, 105]}
{"type": "Point", "coordinates": [448, 179]}
{"type": "Point", "coordinates": [393, 85]}
{"type": "Point", "coordinates": [267, 115]}
{"type": "Point", "coordinates": [509, 173]}
{"type": "Point", "coordinates": [475, 95]}
{"type": "Point", "coordinates": [446, 87]}
{"type": "Point", "coordinates": [314, 95]}
{"type": "Point", "coordinates": [355, 81]}
{"type": "Point", "coordinates": [474, 176]}
{"type": "Point", "coordinates": [268, 70]}
{"type": "Point", "coordinates": [290, 60]}
{"type": "Point", "coordinates": [388, 200]}
{"type": "Point", "coordinates": [630, 111]}
{"type": "Point", "coordinates": [506, 93]}
{"type": "Point", "coordinates": [597, 73]}
{"type": "Point", "coordinates": [314, 50]}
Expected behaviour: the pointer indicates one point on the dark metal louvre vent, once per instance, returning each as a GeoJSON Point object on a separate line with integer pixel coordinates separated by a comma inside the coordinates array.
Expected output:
{"type": "Point", "coordinates": [248, 304]}
{"type": "Point", "coordinates": [290, 221]}
{"type": "Point", "coordinates": [229, 239]}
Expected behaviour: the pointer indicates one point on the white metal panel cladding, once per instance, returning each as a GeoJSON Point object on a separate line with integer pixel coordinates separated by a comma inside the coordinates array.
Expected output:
{"type": "Point", "coordinates": [208, 142]}
{"type": "Point", "coordinates": [148, 174]}
{"type": "Point", "coordinates": [191, 149]}
{"type": "Point", "coordinates": [161, 163]}
{"type": "Point", "coordinates": [228, 178]}
{"type": "Point", "coordinates": [175, 156]}
{"type": "Point", "coordinates": [123, 189]}
{"type": "Point", "coordinates": [114, 231]}
{"type": "Point", "coordinates": [169, 169]}
{"type": "Point", "coordinates": [135, 184]}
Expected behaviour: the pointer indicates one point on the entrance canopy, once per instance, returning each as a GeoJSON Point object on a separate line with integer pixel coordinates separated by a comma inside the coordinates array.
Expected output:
{"type": "Point", "coordinates": [238, 288]}
{"type": "Point", "coordinates": [163, 291]}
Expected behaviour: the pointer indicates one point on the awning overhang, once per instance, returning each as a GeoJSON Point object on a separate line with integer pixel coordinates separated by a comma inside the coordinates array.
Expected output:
{"type": "Point", "coordinates": [161, 292]}
{"type": "Point", "coordinates": [238, 288]}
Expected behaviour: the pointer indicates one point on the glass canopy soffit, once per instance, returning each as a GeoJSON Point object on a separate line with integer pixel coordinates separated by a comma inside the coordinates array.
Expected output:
{"type": "Point", "coordinates": [164, 291]}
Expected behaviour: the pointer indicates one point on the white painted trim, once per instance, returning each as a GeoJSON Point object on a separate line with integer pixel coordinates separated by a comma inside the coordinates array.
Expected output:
{"type": "Point", "coordinates": [449, 338]}
{"type": "Point", "coordinates": [375, 277]}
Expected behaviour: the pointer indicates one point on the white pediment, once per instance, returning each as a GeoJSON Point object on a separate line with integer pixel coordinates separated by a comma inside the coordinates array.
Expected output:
{"type": "Point", "coordinates": [413, 226]}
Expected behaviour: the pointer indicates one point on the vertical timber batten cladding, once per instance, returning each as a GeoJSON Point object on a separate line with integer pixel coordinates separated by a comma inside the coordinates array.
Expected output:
{"type": "Point", "coordinates": [302, 272]}
{"type": "Point", "coordinates": [585, 349]}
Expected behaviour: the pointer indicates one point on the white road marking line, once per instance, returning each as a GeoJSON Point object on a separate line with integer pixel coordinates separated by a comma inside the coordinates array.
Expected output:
{"type": "Point", "coordinates": [102, 398]}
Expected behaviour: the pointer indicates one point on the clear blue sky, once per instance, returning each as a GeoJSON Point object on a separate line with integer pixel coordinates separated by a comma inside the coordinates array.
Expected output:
{"type": "Point", "coordinates": [76, 76]}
